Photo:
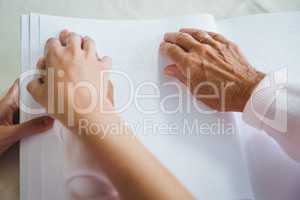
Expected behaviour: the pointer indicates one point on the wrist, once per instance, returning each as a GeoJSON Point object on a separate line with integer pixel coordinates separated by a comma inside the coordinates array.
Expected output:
{"type": "Point", "coordinates": [97, 123]}
{"type": "Point", "coordinates": [254, 80]}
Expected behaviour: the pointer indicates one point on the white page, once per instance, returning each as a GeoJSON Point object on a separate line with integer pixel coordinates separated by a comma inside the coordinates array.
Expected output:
{"type": "Point", "coordinates": [33, 171]}
{"type": "Point", "coordinates": [204, 163]}
{"type": "Point", "coordinates": [270, 42]}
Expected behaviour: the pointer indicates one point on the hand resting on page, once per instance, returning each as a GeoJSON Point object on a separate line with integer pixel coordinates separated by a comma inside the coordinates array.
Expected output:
{"type": "Point", "coordinates": [212, 67]}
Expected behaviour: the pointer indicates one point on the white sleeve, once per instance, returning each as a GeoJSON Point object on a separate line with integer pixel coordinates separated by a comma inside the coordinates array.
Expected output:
{"type": "Point", "coordinates": [274, 107]}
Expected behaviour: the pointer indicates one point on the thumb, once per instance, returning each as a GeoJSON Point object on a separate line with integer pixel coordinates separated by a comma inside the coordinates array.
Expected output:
{"type": "Point", "coordinates": [37, 91]}
{"type": "Point", "coordinates": [12, 96]}
{"type": "Point", "coordinates": [34, 126]}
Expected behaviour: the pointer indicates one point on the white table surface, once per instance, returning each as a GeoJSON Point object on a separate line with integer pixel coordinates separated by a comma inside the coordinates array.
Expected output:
{"type": "Point", "coordinates": [10, 11]}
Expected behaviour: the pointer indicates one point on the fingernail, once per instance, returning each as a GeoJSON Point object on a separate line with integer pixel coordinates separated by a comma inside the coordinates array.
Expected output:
{"type": "Point", "coordinates": [169, 72]}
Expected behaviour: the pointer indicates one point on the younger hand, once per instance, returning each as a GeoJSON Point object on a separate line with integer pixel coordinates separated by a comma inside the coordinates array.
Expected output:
{"type": "Point", "coordinates": [212, 67]}
{"type": "Point", "coordinates": [75, 77]}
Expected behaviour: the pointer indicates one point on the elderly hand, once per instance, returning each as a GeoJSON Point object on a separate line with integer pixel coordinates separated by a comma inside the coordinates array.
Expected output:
{"type": "Point", "coordinates": [212, 67]}
{"type": "Point", "coordinates": [76, 76]}
{"type": "Point", "coordinates": [10, 130]}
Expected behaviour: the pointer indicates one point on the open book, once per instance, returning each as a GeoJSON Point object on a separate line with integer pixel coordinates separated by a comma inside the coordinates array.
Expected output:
{"type": "Point", "coordinates": [208, 151]}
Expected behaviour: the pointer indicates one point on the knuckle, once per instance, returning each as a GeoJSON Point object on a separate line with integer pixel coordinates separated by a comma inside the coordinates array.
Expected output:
{"type": "Point", "coordinates": [202, 49]}
{"type": "Point", "coordinates": [172, 48]}
{"type": "Point", "coordinates": [51, 52]}
{"type": "Point", "coordinates": [218, 37]}
{"type": "Point", "coordinates": [200, 33]}
{"type": "Point", "coordinates": [51, 41]}
{"type": "Point", "coordinates": [196, 34]}
{"type": "Point", "coordinates": [182, 37]}
{"type": "Point", "coordinates": [214, 35]}
{"type": "Point", "coordinates": [50, 47]}
{"type": "Point", "coordinates": [221, 39]}
{"type": "Point", "coordinates": [50, 44]}
{"type": "Point", "coordinates": [202, 37]}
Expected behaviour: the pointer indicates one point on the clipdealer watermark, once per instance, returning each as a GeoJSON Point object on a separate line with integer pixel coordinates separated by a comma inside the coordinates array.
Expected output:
{"type": "Point", "coordinates": [183, 103]}
{"type": "Point", "coordinates": [150, 127]}
{"type": "Point", "coordinates": [56, 94]}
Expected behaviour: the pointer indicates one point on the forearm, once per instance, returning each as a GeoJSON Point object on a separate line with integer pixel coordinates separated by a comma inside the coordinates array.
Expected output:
{"type": "Point", "coordinates": [134, 171]}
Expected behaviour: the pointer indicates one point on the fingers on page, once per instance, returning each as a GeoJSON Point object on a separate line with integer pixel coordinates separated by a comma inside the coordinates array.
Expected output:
{"type": "Point", "coordinates": [89, 45]}
{"type": "Point", "coordinates": [53, 45]}
{"type": "Point", "coordinates": [201, 37]}
{"type": "Point", "coordinates": [183, 40]}
{"type": "Point", "coordinates": [174, 52]}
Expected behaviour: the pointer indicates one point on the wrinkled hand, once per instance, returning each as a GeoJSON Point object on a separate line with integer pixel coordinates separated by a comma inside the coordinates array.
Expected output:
{"type": "Point", "coordinates": [73, 76]}
{"type": "Point", "coordinates": [212, 67]}
{"type": "Point", "coordinates": [10, 130]}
